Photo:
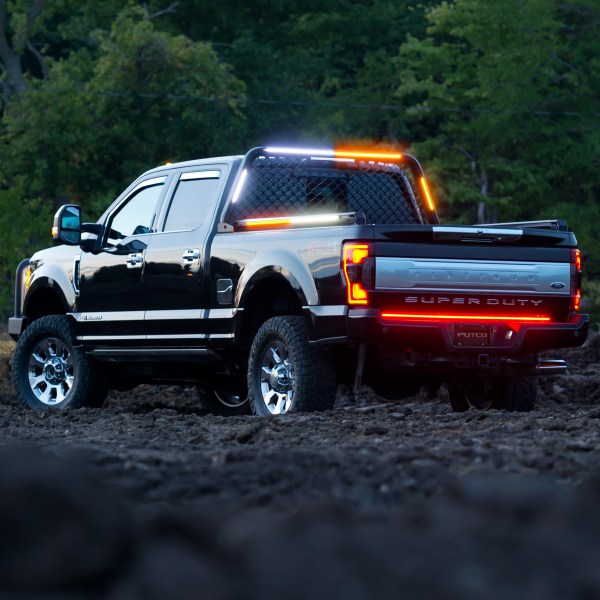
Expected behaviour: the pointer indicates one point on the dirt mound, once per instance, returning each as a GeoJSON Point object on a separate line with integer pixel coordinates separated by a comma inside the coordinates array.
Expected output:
{"type": "Point", "coordinates": [150, 498]}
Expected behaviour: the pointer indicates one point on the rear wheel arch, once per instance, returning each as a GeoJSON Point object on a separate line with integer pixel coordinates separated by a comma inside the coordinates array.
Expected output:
{"type": "Point", "coordinates": [267, 295]}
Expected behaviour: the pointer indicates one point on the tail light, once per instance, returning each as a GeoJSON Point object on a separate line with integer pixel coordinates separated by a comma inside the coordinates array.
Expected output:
{"type": "Point", "coordinates": [358, 266]}
{"type": "Point", "coordinates": [575, 279]}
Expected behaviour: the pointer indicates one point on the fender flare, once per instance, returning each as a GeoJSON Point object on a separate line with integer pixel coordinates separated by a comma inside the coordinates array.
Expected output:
{"type": "Point", "coordinates": [50, 283]}
{"type": "Point", "coordinates": [281, 263]}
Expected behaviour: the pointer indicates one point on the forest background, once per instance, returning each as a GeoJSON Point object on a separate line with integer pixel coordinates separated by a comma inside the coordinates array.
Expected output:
{"type": "Point", "coordinates": [499, 100]}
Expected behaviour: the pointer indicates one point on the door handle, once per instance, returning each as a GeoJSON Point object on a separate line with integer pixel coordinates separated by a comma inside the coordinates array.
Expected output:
{"type": "Point", "coordinates": [135, 261]}
{"type": "Point", "coordinates": [191, 256]}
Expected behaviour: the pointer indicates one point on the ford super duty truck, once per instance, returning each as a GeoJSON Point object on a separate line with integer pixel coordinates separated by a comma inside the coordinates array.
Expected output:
{"type": "Point", "coordinates": [269, 278]}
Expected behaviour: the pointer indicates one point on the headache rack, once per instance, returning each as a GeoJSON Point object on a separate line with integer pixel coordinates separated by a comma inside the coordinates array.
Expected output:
{"type": "Point", "coordinates": [286, 187]}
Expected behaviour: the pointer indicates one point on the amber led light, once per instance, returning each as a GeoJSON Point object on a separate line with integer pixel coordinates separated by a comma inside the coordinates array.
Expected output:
{"type": "Point", "coordinates": [267, 222]}
{"type": "Point", "coordinates": [326, 152]}
{"type": "Point", "coordinates": [320, 219]}
{"type": "Point", "coordinates": [425, 188]}
{"type": "Point", "coordinates": [367, 155]}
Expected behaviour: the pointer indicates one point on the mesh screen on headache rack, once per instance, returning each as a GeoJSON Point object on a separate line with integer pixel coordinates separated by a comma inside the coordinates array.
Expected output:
{"type": "Point", "coordinates": [292, 185]}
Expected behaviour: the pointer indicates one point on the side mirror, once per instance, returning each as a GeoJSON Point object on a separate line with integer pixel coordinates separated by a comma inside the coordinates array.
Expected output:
{"type": "Point", "coordinates": [66, 228]}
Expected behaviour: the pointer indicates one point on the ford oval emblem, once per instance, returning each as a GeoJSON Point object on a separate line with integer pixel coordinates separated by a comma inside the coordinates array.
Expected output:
{"type": "Point", "coordinates": [557, 285]}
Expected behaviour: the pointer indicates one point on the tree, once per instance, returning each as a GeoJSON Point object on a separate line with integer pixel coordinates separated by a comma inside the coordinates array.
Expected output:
{"type": "Point", "coordinates": [144, 97]}
{"type": "Point", "coordinates": [13, 48]}
{"type": "Point", "coordinates": [131, 99]}
{"type": "Point", "coordinates": [505, 96]}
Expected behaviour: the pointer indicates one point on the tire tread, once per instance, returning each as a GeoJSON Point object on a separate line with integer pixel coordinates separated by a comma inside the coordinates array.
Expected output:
{"type": "Point", "coordinates": [316, 385]}
{"type": "Point", "coordinates": [89, 390]}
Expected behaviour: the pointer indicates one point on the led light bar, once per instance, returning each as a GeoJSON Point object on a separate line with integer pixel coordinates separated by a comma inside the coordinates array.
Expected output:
{"type": "Point", "coordinates": [425, 189]}
{"type": "Point", "coordinates": [239, 186]}
{"type": "Point", "coordinates": [394, 316]}
{"type": "Point", "coordinates": [368, 155]}
{"type": "Point", "coordinates": [334, 153]}
{"type": "Point", "coordinates": [327, 218]}
{"type": "Point", "coordinates": [300, 151]}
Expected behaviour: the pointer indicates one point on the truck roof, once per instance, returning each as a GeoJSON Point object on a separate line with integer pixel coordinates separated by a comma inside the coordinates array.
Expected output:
{"type": "Point", "coordinates": [198, 162]}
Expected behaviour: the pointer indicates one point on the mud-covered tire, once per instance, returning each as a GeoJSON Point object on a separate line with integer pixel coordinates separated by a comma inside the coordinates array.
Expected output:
{"type": "Point", "coordinates": [516, 393]}
{"type": "Point", "coordinates": [285, 373]}
{"type": "Point", "coordinates": [50, 372]}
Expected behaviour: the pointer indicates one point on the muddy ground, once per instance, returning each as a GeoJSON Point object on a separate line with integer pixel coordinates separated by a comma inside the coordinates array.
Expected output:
{"type": "Point", "coordinates": [149, 498]}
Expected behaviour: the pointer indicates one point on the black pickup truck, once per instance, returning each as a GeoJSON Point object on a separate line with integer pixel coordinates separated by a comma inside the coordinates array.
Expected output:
{"type": "Point", "coordinates": [269, 278]}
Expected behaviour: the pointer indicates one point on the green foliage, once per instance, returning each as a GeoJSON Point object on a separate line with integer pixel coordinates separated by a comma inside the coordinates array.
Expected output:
{"type": "Point", "coordinates": [142, 98]}
{"type": "Point", "coordinates": [590, 302]}
{"type": "Point", "coordinates": [493, 88]}
{"type": "Point", "coordinates": [25, 228]}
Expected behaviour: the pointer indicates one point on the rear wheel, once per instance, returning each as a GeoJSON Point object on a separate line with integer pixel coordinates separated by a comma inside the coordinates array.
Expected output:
{"type": "Point", "coordinates": [516, 393]}
{"type": "Point", "coordinates": [286, 374]}
{"type": "Point", "coordinates": [477, 393]}
{"type": "Point", "coordinates": [457, 397]}
{"type": "Point", "coordinates": [50, 372]}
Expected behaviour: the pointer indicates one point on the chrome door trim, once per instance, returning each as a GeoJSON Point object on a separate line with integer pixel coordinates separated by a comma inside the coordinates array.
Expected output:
{"type": "Point", "coordinates": [200, 175]}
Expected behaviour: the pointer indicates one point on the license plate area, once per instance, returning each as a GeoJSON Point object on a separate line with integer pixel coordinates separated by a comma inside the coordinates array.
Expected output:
{"type": "Point", "coordinates": [472, 334]}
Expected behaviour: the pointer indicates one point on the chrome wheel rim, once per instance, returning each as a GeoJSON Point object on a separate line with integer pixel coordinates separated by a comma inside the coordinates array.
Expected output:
{"type": "Point", "coordinates": [229, 398]}
{"type": "Point", "coordinates": [479, 395]}
{"type": "Point", "coordinates": [51, 372]}
{"type": "Point", "coordinates": [277, 378]}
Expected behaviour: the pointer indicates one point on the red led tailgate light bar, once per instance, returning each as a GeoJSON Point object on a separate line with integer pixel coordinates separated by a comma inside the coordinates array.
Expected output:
{"type": "Point", "coordinates": [397, 316]}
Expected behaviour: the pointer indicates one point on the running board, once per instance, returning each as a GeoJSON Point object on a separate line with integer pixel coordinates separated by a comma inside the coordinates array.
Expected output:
{"type": "Point", "coordinates": [195, 355]}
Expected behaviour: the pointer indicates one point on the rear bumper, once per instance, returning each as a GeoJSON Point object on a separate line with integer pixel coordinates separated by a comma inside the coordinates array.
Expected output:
{"type": "Point", "coordinates": [436, 337]}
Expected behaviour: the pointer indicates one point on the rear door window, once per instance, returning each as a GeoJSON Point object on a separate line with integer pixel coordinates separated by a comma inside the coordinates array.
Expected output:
{"type": "Point", "coordinates": [192, 200]}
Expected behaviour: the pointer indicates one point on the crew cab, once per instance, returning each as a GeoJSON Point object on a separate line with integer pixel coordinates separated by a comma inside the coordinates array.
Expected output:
{"type": "Point", "coordinates": [269, 278]}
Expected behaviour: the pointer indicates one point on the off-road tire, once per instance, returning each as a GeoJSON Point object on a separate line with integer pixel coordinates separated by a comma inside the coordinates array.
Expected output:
{"type": "Point", "coordinates": [516, 393]}
{"type": "Point", "coordinates": [71, 381]}
{"type": "Point", "coordinates": [285, 373]}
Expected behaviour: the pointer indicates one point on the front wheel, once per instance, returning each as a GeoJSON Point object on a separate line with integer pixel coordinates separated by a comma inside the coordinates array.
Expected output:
{"type": "Point", "coordinates": [50, 372]}
{"type": "Point", "coordinates": [225, 400]}
{"type": "Point", "coordinates": [286, 374]}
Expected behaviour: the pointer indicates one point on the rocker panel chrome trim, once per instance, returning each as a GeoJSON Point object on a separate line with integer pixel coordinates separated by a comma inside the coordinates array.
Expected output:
{"type": "Point", "coordinates": [89, 338]}
{"type": "Point", "coordinates": [117, 315]}
{"type": "Point", "coordinates": [174, 315]}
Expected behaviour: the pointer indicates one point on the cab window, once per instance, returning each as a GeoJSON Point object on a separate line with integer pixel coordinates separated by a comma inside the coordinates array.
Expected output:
{"type": "Point", "coordinates": [192, 200]}
{"type": "Point", "coordinates": [136, 215]}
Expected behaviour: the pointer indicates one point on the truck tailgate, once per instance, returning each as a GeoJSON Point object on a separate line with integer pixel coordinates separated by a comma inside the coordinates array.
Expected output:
{"type": "Point", "coordinates": [470, 271]}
